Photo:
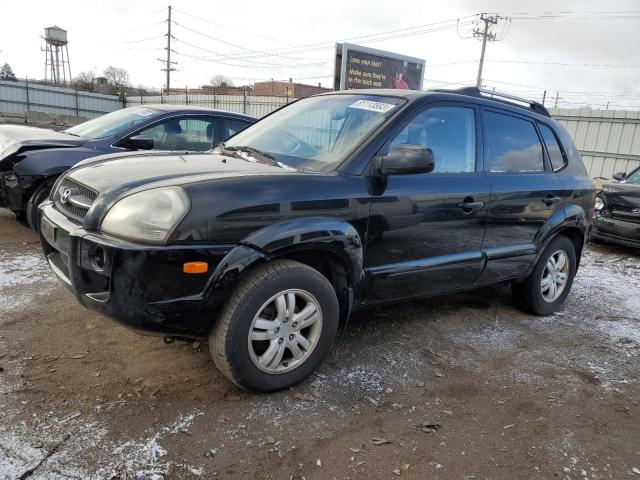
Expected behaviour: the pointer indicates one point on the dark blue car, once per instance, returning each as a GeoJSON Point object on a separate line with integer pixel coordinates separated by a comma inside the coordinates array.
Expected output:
{"type": "Point", "coordinates": [32, 158]}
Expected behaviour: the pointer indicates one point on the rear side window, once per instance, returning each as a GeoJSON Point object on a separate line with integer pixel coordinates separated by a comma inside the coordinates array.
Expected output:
{"type": "Point", "coordinates": [513, 144]}
{"type": "Point", "coordinates": [233, 126]}
{"type": "Point", "coordinates": [556, 155]}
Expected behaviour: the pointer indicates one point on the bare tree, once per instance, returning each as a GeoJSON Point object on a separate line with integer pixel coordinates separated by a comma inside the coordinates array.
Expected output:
{"type": "Point", "coordinates": [86, 80]}
{"type": "Point", "coordinates": [118, 77]}
{"type": "Point", "coordinates": [221, 81]}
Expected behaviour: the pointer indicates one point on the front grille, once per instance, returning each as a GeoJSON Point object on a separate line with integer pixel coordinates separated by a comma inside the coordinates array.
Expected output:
{"type": "Point", "coordinates": [625, 215]}
{"type": "Point", "coordinates": [74, 199]}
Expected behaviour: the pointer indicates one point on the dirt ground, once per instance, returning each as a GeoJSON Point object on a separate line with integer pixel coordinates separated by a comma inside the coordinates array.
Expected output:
{"type": "Point", "coordinates": [458, 387]}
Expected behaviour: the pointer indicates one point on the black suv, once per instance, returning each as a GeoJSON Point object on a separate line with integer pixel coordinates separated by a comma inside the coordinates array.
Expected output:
{"type": "Point", "coordinates": [331, 204]}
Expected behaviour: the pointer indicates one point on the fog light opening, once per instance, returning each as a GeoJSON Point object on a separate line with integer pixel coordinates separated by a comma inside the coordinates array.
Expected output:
{"type": "Point", "coordinates": [99, 258]}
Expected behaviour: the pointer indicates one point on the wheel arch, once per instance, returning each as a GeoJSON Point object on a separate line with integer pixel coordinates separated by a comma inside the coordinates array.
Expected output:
{"type": "Point", "coordinates": [571, 221]}
{"type": "Point", "coordinates": [331, 246]}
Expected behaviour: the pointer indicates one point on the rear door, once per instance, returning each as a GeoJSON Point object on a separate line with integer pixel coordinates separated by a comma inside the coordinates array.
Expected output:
{"type": "Point", "coordinates": [231, 126]}
{"type": "Point", "coordinates": [525, 194]}
{"type": "Point", "coordinates": [425, 230]}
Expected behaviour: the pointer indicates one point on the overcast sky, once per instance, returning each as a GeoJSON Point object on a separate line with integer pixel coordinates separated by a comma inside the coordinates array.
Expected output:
{"type": "Point", "coordinates": [228, 35]}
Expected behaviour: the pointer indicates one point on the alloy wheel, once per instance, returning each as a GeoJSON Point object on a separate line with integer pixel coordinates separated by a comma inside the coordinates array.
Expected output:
{"type": "Point", "coordinates": [555, 276]}
{"type": "Point", "coordinates": [285, 331]}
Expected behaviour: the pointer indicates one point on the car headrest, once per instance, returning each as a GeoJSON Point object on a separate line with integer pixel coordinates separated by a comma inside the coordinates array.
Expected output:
{"type": "Point", "coordinates": [172, 127]}
{"type": "Point", "coordinates": [210, 131]}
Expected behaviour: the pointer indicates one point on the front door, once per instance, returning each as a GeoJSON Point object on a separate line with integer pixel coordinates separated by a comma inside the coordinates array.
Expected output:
{"type": "Point", "coordinates": [425, 230]}
{"type": "Point", "coordinates": [525, 194]}
{"type": "Point", "coordinates": [196, 134]}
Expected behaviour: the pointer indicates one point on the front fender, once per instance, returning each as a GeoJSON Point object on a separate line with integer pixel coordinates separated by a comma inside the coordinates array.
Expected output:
{"type": "Point", "coordinates": [312, 233]}
{"type": "Point", "coordinates": [51, 161]}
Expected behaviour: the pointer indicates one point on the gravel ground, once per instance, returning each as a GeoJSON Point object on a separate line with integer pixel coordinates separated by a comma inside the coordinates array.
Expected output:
{"type": "Point", "coordinates": [459, 387]}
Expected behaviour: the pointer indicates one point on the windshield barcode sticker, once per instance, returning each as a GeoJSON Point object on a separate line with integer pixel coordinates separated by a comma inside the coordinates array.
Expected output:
{"type": "Point", "coordinates": [380, 107]}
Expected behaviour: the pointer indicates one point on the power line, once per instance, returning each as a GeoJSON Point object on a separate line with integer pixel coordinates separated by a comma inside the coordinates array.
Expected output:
{"type": "Point", "coordinates": [271, 65]}
{"type": "Point", "coordinates": [284, 52]}
{"type": "Point", "coordinates": [234, 44]}
{"type": "Point", "coordinates": [542, 88]}
{"type": "Point", "coordinates": [145, 39]}
{"type": "Point", "coordinates": [234, 28]}
{"type": "Point", "coordinates": [230, 57]}
{"type": "Point", "coordinates": [565, 64]}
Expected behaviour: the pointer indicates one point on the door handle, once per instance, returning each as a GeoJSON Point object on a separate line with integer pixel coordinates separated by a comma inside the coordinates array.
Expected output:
{"type": "Point", "coordinates": [550, 200]}
{"type": "Point", "coordinates": [470, 206]}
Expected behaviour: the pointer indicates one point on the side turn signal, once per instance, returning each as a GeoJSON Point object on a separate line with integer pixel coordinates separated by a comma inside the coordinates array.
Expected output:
{"type": "Point", "coordinates": [195, 267]}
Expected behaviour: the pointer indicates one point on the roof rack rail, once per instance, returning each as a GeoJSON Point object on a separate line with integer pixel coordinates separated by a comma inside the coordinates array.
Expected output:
{"type": "Point", "coordinates": [500, 96]}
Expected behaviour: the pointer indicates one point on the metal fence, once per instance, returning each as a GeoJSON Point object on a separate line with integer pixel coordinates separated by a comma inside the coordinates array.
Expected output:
{"type": "Point", "coordinates": [22, 96]}
{"type": "Point", "coordinates": [609, 140]}
{"type": "Point", "coordinates": [256, 106]}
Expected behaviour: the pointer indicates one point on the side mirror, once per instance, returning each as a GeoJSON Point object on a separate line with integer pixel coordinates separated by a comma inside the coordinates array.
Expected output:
{"type": "Point", "coordinates": [137, 142]}
{"type": "Point", "coordinates": [619, 176]}
{"type": "Point", "coordinates": [406, 159]}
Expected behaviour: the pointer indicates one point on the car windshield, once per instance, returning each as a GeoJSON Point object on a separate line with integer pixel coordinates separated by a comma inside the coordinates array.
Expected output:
{"type": "Point", "coordinates": [316, 133]}
{"type": "Point", "coordinates": [634, 177]}
{"type": "Point", "coordinates": [113, 123]}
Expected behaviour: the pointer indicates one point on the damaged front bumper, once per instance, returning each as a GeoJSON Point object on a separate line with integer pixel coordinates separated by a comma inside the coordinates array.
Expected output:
{"type": "Point", "coordinates": [15, 190]}
{"type": "Point", "coordinates": [617, 231]}
{"type": "Point", "coordinates": [141, 286]}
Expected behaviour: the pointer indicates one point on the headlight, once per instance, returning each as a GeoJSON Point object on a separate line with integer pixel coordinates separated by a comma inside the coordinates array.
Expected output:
{"type": "Point", "coordinates": [599, 204]}
{"type": "Point", "coordinates": [149, 216]}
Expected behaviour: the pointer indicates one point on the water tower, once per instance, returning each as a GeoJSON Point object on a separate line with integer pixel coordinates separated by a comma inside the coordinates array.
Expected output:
{"type": "Point", "coordinates": [56, 59]}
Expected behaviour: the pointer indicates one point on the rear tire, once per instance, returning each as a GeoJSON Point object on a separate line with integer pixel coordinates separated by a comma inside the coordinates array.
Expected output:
{"type": "Point", "coordinates": [31, 210]}
{"type": "Point", "coordinates": [546, 289]}
{"type": "Point", "coordinates": [276, 328]}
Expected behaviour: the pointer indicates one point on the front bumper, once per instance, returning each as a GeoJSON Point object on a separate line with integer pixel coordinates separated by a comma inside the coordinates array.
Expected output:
{"type": "Point", "coordinates": [140, 286]}
{"type": "Point", "coordinates": [15, 191]}
{"type": "Point", "coordinates": [617, 231]}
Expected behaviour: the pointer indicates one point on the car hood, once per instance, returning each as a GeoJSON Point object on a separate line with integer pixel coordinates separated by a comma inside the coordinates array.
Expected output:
{"type": "Point", "coordinates": [18, 138]}
{"type": "Point", "coordinates": [623, 196]}
{"type": "Point", "coordinates": [140, 171]}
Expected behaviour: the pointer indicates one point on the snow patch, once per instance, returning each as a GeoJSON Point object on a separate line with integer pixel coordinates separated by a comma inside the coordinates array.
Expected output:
{"type": "Point", "coordinates": [23, 277]}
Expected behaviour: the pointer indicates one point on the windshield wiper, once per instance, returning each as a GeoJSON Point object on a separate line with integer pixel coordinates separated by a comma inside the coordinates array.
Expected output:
{"type": "Point", "coordinates": [266, 157]}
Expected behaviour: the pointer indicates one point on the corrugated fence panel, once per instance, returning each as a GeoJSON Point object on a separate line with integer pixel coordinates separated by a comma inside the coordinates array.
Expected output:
{"type": "Point", "coordinates": [609, 140]}
{"type": "Point", "coordinates": [21, 96]}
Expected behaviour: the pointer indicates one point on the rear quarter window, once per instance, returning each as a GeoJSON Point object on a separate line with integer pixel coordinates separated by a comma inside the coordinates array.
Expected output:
{"type": "Point", "coordinates": [513, 144]}
{"type": "Point", "coordinates": [555, 151]}
{"type": "Point", "coordinates": [575, 165]}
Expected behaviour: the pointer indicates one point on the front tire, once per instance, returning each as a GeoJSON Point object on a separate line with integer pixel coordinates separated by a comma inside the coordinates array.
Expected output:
{"type": "Point", "coordinates": [276, 328]}
{"type": "Point", "coordinates": [546, 289]}
{"type": "Point", "coordinates": [31, 210]}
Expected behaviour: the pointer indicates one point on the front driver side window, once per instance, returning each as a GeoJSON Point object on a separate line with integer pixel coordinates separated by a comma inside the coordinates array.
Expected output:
{"type": "Point", "coordinates": [189, 134]}
{"type": "Point", "coordinates": [449, 132]}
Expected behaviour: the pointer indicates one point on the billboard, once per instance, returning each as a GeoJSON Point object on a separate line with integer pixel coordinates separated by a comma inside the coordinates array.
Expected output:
{"type": "Point", "coordinates": [363, 67]}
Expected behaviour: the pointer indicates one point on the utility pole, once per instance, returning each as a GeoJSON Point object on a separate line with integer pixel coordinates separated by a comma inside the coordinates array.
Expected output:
{"type": "Point", "coordinates": [168, 68]}
{"type": "Point", "coordinates": [486, 36]}
{"type": "Point", "coordinates": [556, 101]}
{"type": "Point", "coordinates": [544, 97]}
